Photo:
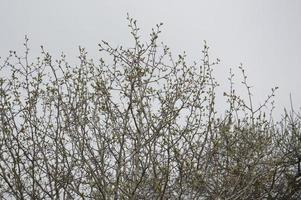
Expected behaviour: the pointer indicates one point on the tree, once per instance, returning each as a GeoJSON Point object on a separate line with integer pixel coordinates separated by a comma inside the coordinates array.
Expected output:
{"type": "Point", "coordinates": [141, 125]}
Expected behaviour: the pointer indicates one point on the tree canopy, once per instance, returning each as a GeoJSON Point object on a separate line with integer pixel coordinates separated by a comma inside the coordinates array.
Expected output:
{"type": "Point", "coordinates": [142, 124]}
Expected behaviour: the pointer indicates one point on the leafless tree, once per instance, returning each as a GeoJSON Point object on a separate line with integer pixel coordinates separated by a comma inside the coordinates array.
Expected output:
{"type": "Point", "coordinates": [138, 123]}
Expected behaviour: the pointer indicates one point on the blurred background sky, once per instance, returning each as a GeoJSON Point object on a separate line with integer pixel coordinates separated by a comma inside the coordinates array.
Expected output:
{"type": "Point", "coordinates": [263, 35]}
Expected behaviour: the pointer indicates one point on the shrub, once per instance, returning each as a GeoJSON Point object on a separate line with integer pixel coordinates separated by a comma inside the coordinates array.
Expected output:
{"type": "Point", "coordinates": [142, 125]}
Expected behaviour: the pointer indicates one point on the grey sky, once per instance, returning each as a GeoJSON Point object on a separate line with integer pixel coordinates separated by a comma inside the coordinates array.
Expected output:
{"type": "Point", "coordinates": [264, 35]}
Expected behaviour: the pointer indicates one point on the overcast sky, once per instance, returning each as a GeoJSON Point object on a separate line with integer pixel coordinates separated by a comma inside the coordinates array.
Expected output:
{"type": "Point", "coordinates": [264, 35]}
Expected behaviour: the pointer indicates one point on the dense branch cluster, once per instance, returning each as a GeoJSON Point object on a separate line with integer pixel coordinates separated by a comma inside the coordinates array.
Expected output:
{"type": "Point", "coordinates": [143, 125]}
